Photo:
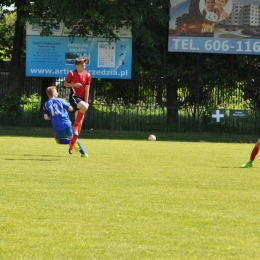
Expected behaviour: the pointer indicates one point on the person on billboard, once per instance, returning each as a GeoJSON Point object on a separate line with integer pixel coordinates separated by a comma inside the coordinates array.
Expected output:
{"type": "Point", "coordinates": [209, 11]}
{"type": "Point", "coordinates": [219, 9]}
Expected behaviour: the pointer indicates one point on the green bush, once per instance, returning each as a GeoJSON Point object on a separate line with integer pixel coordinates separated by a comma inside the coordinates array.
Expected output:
{"type": "Point", "coordinates": [11, 109]}
{"type": "Point", "coordinates": [26, 111]}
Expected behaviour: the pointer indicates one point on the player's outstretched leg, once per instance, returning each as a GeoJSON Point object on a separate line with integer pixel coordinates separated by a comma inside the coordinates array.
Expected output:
{"type": "Point", "coordinates": [72, 143]}
{"type": "Point", "coordinates": [253, 155]}
{"type": "Point", "coordinates": [63, 141]}
{"type": "Point", "coordinates": [76, 147]}
{"type": "Point", "coordinates": [248, 164]}
{"type": "Point", "coordinates": [67, 141]}
{"type": "Point", "coordinates": [77, 124]}
{"type": "Point", "coordinates": [81, 150]}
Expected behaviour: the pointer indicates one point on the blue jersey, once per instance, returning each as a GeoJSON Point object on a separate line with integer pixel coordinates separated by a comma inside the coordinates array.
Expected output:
{"type": "Point", "coordinates": [55, 108]}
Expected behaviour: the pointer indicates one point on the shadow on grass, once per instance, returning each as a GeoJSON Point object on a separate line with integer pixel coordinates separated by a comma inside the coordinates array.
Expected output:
{"type": "Point", "coordinates": [40, 157]}
{"type": "Point", "coordinates": [236, 167]}
{"type": "Point", "coordinates": [43, 155]}
{"type": "Point", "coordinates": [41, 160]}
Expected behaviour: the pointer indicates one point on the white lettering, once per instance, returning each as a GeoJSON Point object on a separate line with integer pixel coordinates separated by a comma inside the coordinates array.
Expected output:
{"type": "Point", "coordinates": [185, 44]}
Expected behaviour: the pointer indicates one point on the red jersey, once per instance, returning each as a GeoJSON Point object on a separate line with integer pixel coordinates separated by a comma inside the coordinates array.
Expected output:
{"type": "Point", "coordinates": [74, 77]}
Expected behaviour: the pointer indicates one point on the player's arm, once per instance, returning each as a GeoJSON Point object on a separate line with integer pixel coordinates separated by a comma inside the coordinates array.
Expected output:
{"type": "Point", "coordinates": [72, 85]}
{"type": "Point", "coordinates": [46, 117]}
{"type": "Point", "coordinates": [87, 93]}
{"type": "Point", "coordinates": [66, 105]}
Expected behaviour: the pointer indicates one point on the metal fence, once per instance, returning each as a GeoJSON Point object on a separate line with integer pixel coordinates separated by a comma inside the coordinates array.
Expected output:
{"type": "Point", "coordinates": [141, 105]}
{"type": "Point", "coordinates": [31, 85]}
{"type": "Point", "coordinates": [148, 91]}
{"type": "Point", "coordinates": [136, 118]}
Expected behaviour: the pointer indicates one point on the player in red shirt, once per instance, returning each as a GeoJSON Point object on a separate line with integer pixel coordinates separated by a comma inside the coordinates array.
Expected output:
{"type": "Point", "coordinates": [78, 81]}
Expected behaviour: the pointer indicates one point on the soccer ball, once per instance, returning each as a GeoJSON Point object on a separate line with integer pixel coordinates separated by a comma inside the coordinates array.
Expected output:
{"type": "Point", "coordinates": [151, 138]}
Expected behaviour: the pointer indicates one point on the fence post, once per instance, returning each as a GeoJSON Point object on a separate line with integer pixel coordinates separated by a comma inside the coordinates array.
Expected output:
{"type": "Point", "coordinates": [198, 90]}
{"type": "Point", "coordinates": [23, 114]}
{"type": "Point", "coordinates": [110, 119]}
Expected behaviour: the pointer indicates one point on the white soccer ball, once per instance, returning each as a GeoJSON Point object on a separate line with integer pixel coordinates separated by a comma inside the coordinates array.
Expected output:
{"type": "Point", "coordinates": [151, 138]}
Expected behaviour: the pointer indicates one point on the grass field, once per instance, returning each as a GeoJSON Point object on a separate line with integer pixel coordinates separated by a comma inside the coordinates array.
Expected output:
{"type": "Point", "coordinates": [131, 199]}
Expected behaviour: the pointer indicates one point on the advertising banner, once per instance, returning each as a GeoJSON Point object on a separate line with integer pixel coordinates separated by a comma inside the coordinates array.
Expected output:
{"type": "Point", "coordinates": [215, 26]}
{"type": "Point", "coordinates": [238, 113]}
{"type": "Point", "coordinates": [54, 56]}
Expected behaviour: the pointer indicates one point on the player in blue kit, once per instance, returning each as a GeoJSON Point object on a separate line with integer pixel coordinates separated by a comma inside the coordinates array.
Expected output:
{"type": "Point", "coordinates": [55, 110]}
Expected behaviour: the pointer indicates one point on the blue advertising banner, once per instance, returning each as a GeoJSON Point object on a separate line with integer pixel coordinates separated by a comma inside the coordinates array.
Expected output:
{"type": "Point", "coordinates": [54, 56]}
{"type": "Point", "coordinates": [215, 26]}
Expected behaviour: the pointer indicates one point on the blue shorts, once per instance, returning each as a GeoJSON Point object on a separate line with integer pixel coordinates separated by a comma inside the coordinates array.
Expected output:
{"type": "Point", "coordinates": [64, 133]}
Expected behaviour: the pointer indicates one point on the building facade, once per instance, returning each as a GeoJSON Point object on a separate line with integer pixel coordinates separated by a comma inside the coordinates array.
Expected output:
{"type": "Point", "coordinates": [247, 16]}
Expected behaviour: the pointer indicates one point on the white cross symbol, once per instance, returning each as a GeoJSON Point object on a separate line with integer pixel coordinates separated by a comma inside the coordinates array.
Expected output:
{"type": "Point", "coordinates": [217, 116]}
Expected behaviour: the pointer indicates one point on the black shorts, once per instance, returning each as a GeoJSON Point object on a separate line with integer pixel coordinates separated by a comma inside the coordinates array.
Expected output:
{"type": "Point", "coordinates": [74, 101]}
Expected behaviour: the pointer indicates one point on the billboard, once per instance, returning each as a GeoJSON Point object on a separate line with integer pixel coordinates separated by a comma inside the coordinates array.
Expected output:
{"type": "Point", "coordinates": [54, 56]}
{"type": "Point", "coordinates": [215, 26]}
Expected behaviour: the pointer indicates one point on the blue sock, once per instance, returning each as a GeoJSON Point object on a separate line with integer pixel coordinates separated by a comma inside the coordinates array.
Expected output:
{"type": "Point", "coordinates": [81, 149]}
{"type": "Point", "coordinates": [64, 141]}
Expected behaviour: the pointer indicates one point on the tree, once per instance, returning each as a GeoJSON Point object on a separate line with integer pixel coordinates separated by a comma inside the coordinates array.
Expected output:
{"type": "Point", "coordinates": [98, 18]}
{"type": "Point", "coordinates": [7, 22]}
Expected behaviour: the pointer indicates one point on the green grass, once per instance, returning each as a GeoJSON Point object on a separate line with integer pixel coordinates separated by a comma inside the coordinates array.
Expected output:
{"type": "Point", "coordinates": [131, 199]}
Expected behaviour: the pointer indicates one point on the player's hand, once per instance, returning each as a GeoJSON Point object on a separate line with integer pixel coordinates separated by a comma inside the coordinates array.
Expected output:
{"type": "Point", "coordinates": [77, 85]}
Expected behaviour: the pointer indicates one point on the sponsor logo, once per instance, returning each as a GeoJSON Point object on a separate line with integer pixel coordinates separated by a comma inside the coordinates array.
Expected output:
{"type": "Point", "coordinates": [39, 27]}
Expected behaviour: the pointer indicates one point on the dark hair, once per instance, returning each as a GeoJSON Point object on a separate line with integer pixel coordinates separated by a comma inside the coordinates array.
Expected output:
{"type": "Point", "coordinates": [80, 61]}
